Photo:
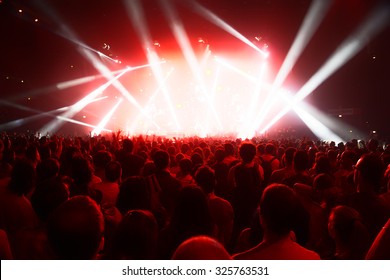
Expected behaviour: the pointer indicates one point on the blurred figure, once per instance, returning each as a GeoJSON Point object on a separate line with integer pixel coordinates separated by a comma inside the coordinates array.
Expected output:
{"type": "Point", "coordinates": [279, 213]}
{"type": "Point", "coordinates": [350, 235]}
{"type": "Point", "coordinates": [201, 248]}
{"type": "Point", "coordinates": [135, 238]}
{"type": "Point", "coordinates": [75, 230]}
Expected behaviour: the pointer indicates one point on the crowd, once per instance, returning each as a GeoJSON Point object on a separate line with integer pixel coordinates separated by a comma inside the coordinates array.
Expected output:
{"type": "Point", "coordinates": [147, 197]}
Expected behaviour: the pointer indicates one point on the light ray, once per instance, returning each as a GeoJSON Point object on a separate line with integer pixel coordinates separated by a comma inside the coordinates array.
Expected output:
{"type": "Point", "coordinates": [375, 22]}
{"type": "Point", "coordinates": [100, 127]}
{"type": "Point", "coordinates": [213, 18]}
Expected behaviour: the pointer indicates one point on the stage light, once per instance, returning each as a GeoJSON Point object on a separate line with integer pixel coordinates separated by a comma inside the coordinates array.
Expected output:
{"type": "Point", "coordinates": [374, 23]}
{"type": "Point", "coordinates": [310, 24]}
{"type": "Point", "coordinates": [189, 54]}
{"type": "Point", "coordinates": [106, 119]}
{"type": "Point", "coordinates": [213, 18]}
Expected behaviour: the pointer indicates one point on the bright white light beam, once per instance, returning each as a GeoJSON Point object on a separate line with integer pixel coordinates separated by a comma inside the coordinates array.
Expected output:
{"type": "Point", "coordinates": [312, 20]}
{"type": "Point", "coordinates": [136, 15]}
{"type": "Point", "coordinates": [213, 18]}
{"type": "Point", "coordinates": [106, 119]}
{"type": "Point", "coordinates": [375, 22]}
{"type": "Point", "coordinates": [189, 54]}
{"type": "Point", "coordinates": [54, 125]}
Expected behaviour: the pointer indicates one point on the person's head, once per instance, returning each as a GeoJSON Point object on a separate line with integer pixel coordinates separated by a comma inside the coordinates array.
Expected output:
{"type": "Point", "coordinates": [113, 171]}
{"type": "Point", "coordinates": [101, 158]}
{"type": "Point", "coordinates": [133, 194]}
{"type": "Point", "coordinates": [81, 170]}
{"type": "Point", "coordinates": [289, 156]}
{"type": "Point", "coordinates": [345, 226]}
{"type": "Point", "coordinates": [322, 165]}
{"type": "Point", "coordinates": [369, 172]}
{"type": "Point", "coordinates": [201, 248]}
{"type": "Point", "coordinates": [279, 209]}
{"type": "Point", "coordinates": [247, 152]}
{"type": "Point", "coordinates": [219, 154]}
{"type": "Point", "coordinates": [47, 168]}
{"type": "Point", "coordinates": [373, 145]}
{"type": "Point", "coordinates": [23, 178]}
{"type": "Point", "coordinates": [196, 159]}
{"type": "Point", "coordinates": [348, 159]}
{"type": "Point", "coordinates": [185, 165]}
{"type": "Point", "coordinates": [135, 238]}
{"type": "Point", "coordinates": [270, 149]}
{"type": "Point", "coordinates": [229, 149]}
{"type": "Point", "coordinates": [48, 195]}
{"type": "Point", "coordinates": [191, 214]}
{"type": "Point", "coordinates": [161, 159]}
{"type": "Point", "coordinates": [75, 229]}
{"type": "Point", "coordinates": [205, 178]}
{"type": "Point", "coordinates": [128, 145]}
{"type": "Point", "coordinates": [301, 161]}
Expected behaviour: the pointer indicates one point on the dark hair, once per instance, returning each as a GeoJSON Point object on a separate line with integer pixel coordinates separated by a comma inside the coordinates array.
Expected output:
{"type": "Point", "coordinates": [133, 194]}
{"type": "Point", "coordinates": [161, 159]}
{"type": "Point", "coordinates": [371, 169]}
{"type": "Point", "coordinates": [135, 237]}
{"type": "Point", "coordinates": [279, 208]}
{"type": "Point", "coordinates": [23, 178]}
{"type": "Point", "coordinates": [48, 195]}
{"type": "Point", "coordinates": [247, 151]}
{"type": "Point", "coordinates": [113, 171]}
{"type": "Point", "coordinates": [301, 161]}
{"type": "Point", "coordinates": [205, 178]}
{"type": "Point", "coordinates": [75, 229]}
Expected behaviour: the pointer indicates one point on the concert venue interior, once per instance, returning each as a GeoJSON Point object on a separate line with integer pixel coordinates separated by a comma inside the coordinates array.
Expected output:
{"type": "Point", "coordinates": [182, 68]}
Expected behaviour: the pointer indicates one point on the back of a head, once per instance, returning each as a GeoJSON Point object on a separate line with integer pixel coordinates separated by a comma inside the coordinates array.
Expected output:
{"type": "Point", "coordinates": [371, 170]}
{"type": "Point", "coordinates": [101, 158]}
{"type": "Point", "coordinates": [185, 165]}
{"type": "Point", "coordinates": [219, 155]}
{"type": "Point", "coordinates": [47, 168]}
{"type": "Point", "coordinates": [322, 165]}
{"type": "Point", "coordinates": [247, 152]}
{"type": "Point", "coordinates": [289, 155]}
{"type": "Point", "coordinates": [301, 161]}
{"type": "Point", "coordinates": [133, 194]}
{"type": "Point", "coordinates": [279, 208]}
{"type": "Point", "coordinates": [136, 236]}
{"type": "Point", "coordinates": [23, 178]}
{"type": "Point", "coordinates": [270, 149]}
{"type": "Point", "coordinates": [75, 229]}
{"type": "Point", "coordinates": [205, 178]}
{"type": "Point", "coordinates": [81, 170]}
{"type": "Point", "coordinates": [191, 214]}
{"type": "Point", "coordinates": [113, 171]}
{"type": "Point", "coordinates": [48, 195]}
{"type": "Point", "coordinates": [161, 159]}
{"type": "Point", "coordinates": [347, 229]}
{"type": "Point", "coordinates": [127, 145]}
{"type": "Point", "coordinates": [201, 248]}
{"type": "Point", "coordinates": [196, 159]}
{"type": "Point", "coordinates": [229, 149]}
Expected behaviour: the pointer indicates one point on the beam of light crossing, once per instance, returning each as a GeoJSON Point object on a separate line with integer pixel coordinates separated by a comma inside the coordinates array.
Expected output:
{"type": "Point", "coordinates": [78, 106]}
{"type": "Point", "coordinates": [375, 22]}
{"type": "Point", "coordinates": [213, 18]}
{"type": "Point", "coordinates": [136, 15]}
{"type": "Point", "coordinates": [189, 54]}
{"type": "Point", "coordinates": [246, 131]}
{"type": "Point", "coordinates": [87, 53]}
{"type": "Point", "coordinates": [310, 24]}
{"type": "Point", "coordinates": [39, 114]}
{"type": "Point", "coordinates": [106, 119]}
{"type": "Point", "coordinates": [132, 128]}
